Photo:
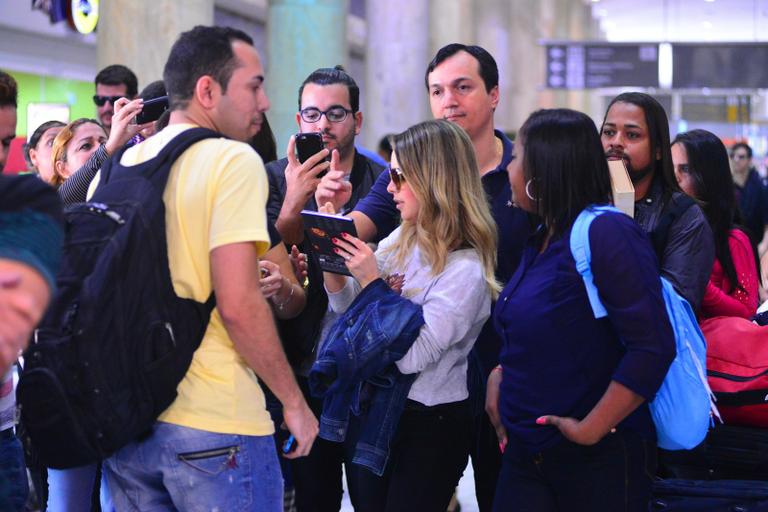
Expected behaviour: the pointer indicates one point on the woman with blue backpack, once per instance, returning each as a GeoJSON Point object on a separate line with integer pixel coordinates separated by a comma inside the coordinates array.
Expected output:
{"type": "Point", "coordinates": [570, 398]}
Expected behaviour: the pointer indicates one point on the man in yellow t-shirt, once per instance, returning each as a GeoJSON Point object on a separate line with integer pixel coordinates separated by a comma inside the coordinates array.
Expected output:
{"type": "Point", "coordinates": [213, 449]}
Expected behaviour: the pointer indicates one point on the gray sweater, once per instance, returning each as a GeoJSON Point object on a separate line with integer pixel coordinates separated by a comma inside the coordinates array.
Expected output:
{"type": "Point", "coordinates": [456, 303]}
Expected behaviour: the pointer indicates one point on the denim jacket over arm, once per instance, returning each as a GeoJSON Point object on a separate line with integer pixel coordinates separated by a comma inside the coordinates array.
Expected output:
{"type": "Point", "coordinates": [355, 371]}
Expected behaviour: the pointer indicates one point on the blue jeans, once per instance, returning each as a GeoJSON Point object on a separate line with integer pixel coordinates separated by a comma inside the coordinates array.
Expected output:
{"type": "Point", "coordinates": [188, 469]}
{"type": "Point", "coordinates": [13, 474]}
{"type": "Point", "coordinates": [72, 489]}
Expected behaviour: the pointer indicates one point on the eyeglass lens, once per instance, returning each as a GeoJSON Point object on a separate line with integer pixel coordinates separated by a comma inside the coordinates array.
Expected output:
{"type": "Point", "coordinates": [334, 115]}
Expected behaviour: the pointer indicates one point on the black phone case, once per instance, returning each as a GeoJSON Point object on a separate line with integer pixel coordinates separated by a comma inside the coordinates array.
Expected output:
{"type": "Point", "coordinates": [308, 144]}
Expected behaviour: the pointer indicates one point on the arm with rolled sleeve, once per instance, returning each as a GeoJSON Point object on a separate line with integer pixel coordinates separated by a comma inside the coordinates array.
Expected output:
{"type": "Point", "coordinates": [379, 206]}
{"type": "Point", "coordinates": [628, 282]}
{"type": "Point", "coordinates": [457, 300]}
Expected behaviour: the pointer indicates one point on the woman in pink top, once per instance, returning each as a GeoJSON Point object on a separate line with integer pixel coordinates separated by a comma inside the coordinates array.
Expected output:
{"type": "Point", "coordinates": [701, 168]}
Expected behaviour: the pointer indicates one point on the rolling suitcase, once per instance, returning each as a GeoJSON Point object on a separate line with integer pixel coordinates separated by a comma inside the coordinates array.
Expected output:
{"type": "Point", "coordinates": [728, 453]}
{"type": "Point", "coordinates": [709, 496]}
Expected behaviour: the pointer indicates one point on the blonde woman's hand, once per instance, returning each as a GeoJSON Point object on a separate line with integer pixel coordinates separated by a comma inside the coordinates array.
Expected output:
{"type": "Point", "coordinates": [360, 259]}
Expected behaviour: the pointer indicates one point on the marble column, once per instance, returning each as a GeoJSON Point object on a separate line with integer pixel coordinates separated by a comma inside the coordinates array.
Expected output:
{"type": "Point", "coordinates": [139, 33]}
{"type": "Point", "coordinates": [303, 35]}
{"type": "Point", "coordinates": [493, 33]}
{"type": "Point", "coordinates": [526, 70]}
{"type": "Point", "coordinates": [451, 21]}
{"type": "Point", "coordinates": [397, 55]}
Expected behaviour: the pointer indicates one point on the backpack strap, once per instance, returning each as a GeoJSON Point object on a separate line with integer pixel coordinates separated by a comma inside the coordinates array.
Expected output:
{"type": "Point", "coordinates": [676, 208]}
{"type": "Point", "coordinates": [582, 253]}
{"type": "Point", "coordinates": [158, 168]}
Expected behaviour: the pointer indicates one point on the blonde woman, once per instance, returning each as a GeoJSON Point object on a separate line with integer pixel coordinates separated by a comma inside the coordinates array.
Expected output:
{"type": "Point", "coordinates": [445, 249]}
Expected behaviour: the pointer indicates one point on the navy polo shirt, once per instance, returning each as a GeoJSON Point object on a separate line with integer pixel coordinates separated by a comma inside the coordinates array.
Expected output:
{"type": "Point", "coordinates": [513, 231]}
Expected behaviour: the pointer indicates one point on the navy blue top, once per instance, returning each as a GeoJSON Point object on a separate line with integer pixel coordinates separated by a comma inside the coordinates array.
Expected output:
{"type": "Point", "coordinates": [556, 357]}
{"type": "Point", "coordinates": [513, 231]}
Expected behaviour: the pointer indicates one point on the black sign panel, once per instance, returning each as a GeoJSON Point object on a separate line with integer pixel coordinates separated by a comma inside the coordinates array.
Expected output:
{"type": "Point", "coordinates": [589, 66]}
{"type": "Point", "coordinates": [727, 66]}
{"type": "Point", "coordinates": [717, 108]}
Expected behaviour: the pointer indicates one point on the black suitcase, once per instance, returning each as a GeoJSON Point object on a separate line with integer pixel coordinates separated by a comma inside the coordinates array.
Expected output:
{"type": "Point", "coordinates": [728, 453]}
{"type": "Point", "coordinates": [709, 496]}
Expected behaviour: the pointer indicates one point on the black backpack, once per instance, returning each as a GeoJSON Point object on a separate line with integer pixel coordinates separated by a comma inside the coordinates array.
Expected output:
{"type": "Point", "coordinates": [116, 341]}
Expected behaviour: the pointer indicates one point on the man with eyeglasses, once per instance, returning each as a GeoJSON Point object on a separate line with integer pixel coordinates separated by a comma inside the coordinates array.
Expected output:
{"type": "Point", "coordinates": [329, 104]}
{"type": "Point", "coordinates": [751, 194]}
{"type": "Point", "coordinates": [112, 83]}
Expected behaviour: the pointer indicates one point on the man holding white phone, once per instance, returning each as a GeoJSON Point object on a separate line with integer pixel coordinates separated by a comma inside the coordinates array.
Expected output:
{"type": "Point", "coordinates": [329, 108]}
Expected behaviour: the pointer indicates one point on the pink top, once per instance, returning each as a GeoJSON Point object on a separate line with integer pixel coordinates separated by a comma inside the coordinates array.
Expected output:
{"type": "Point", "coordinates": [740, 301]}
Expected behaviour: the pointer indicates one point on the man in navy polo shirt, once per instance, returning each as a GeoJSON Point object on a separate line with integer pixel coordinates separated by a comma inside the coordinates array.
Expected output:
{"type": "Point", "coordinates": [463, 86]}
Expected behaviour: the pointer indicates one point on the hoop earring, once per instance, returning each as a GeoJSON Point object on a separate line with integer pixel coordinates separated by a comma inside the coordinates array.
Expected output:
{"type": "Point", "coordinates": [528, 190]}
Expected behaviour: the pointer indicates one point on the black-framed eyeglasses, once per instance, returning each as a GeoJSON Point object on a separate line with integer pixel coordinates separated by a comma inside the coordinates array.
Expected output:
{"type": "Point", "coordinates": [736, 156]}
{"type": "Point", "coordinates": [333, 114]}
{"type": "Point", "coordinates": [101, 100]}
{"type": "Point", "coordinates": [397, 177]}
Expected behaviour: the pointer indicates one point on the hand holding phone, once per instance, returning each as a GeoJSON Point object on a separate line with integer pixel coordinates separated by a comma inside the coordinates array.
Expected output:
{"type": "Point", "coordinates": [309, 144]}
{"type": "Point", "coordinates": [152, 110]}
{"type": "Point", "coordinates": [289, 445]}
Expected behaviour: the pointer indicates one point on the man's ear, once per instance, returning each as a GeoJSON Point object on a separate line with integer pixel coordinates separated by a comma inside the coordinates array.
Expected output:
{"type": "Point", "coordinates": [494, 94]}
{"type": "Point", "coordinates": [658, 154]}
{"type": "Point", "coordinates": [207, 92]}
{"type": "Point", "coordinates": [298, 120]}
{"type": "Point", "coordinates": [358, 122]}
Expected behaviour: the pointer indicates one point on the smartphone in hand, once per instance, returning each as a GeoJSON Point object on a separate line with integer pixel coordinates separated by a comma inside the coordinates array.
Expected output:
{"type": "Point", "coordinates": [152, 110]}
{"type": "Point", "coordinates": [289, 445]}
{"type": "Point", "coordinates": [307, 145]}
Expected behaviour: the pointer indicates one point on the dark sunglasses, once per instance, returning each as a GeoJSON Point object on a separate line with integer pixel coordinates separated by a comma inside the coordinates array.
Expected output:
{"type": "Point", "coordinates": [101, 100]}
{"type": "Point", "coordinates": [397, 177]}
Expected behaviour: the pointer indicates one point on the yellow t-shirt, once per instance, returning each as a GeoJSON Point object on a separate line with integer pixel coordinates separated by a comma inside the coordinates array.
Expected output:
{"type": "Point", "coordinates": [216, 195]}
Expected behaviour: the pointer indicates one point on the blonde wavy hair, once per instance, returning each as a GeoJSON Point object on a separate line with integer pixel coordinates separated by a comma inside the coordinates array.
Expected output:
{"type": "Point", "coordinates": [438, 162]}
{"type": "Point", "coordinates": [60, 143]}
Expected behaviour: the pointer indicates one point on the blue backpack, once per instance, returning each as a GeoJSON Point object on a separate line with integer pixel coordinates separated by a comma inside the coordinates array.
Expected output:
{"type": "Point", "coordinates": [683, 407]}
